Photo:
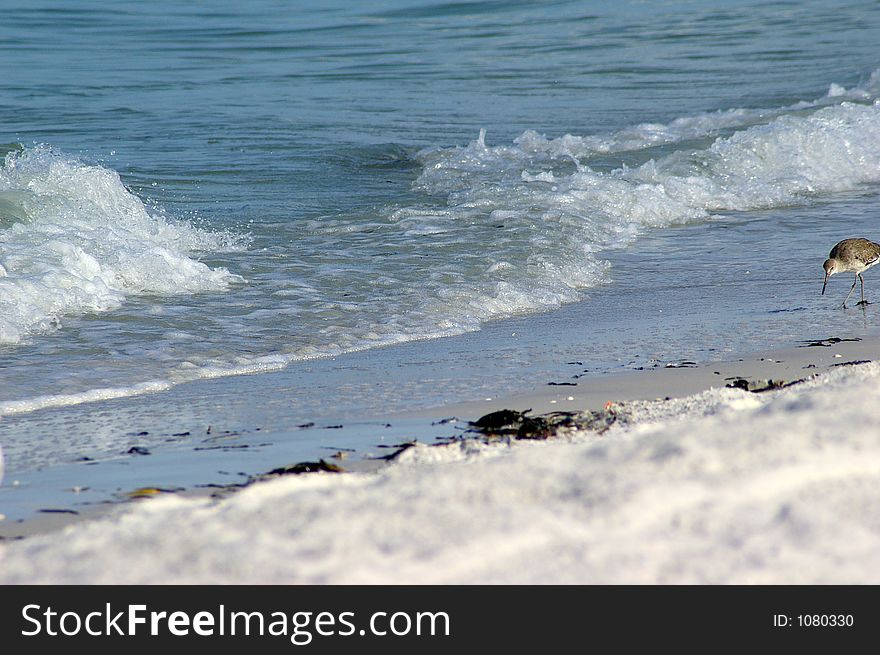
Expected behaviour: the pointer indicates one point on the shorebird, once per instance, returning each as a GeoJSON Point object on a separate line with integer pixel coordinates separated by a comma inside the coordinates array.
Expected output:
{"type": "Point", "coordinates": [853, 256]}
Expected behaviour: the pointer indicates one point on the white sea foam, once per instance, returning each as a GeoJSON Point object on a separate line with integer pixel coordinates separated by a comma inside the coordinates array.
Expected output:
{"type": "Point", "coordinates": [74, 240]}
{"type": "Point", "coordinates": [833, 149]}
{"type": "Point", "coordinates": [477, 159]}
{"type": "Point", "coordinates": [61, 400]}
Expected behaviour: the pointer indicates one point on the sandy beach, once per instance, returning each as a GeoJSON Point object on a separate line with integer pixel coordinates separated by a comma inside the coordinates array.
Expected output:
{"type": "Point", "coordinates": [707, 484]}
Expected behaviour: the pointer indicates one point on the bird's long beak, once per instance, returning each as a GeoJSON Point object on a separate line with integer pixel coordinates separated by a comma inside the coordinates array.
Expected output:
{"type": "Point", "coordinates": [824, 284]}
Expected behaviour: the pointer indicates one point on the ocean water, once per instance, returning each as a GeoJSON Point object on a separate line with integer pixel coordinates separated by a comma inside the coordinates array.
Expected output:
{"type": "Point", "coordinates": [367, 207]}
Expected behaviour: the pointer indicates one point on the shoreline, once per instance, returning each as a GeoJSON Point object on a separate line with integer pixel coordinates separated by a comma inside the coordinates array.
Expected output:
{"type": "Point", "coordinates": [577, 394]}
{"type": "Point", "coordinates": [675, 380]}
{"type": "Point", "coordinates": [724, 486]}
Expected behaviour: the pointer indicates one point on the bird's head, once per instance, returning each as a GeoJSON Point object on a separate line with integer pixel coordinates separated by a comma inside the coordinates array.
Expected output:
{"type": "Point", "coordinates": [831, 267]}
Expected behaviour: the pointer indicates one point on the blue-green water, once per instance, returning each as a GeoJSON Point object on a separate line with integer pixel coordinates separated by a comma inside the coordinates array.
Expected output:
{"type": "Point", "coordinates": [447, 198]}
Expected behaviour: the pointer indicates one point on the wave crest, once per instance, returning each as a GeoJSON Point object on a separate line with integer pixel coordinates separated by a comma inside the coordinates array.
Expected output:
{"type": "Point", "coordinates": [74, 239]}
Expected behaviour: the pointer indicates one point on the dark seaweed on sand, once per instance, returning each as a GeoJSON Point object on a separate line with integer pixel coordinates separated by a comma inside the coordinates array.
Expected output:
{"type": "Point", "coordinates": [519, 425]}
{"type": "Point", "coordinates": [826, 343]}
{"type": "Point", "coordinates": [756, 386]}
{"type": "Point", "coordinates": [305, 467]}
{"type": "Point", "coordinates": [399, 448]}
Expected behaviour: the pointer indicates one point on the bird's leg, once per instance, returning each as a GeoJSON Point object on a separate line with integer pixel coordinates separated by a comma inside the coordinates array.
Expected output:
{"type": "Point", "coordinates": [852, 288]}
{"type": "Point", "coordinates": [862, 280]}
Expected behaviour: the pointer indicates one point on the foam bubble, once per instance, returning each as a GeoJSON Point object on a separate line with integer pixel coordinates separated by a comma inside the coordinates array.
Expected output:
{"type": "Point", "coordinates": [74, 240]}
